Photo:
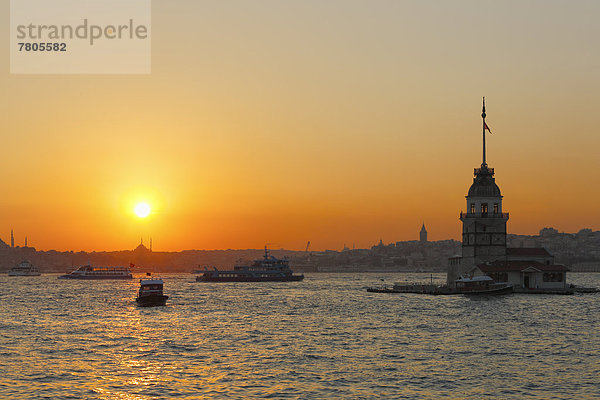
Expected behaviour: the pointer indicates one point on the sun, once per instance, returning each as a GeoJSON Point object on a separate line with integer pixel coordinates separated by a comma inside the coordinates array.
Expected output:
{"type": "Point", "coordinates": [142, 210]}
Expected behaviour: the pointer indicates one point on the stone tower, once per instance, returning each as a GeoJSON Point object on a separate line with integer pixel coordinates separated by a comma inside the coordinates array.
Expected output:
{"type": "Point", "coordinates": [423, 234]}
{"type": "Point", "coordinates": [484, 223]}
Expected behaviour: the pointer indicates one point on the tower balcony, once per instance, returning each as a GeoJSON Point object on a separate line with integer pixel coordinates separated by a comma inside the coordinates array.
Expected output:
{"type": "Point", "coordinates": [477, 171]}
{"type": "Point", "coordinates": [483, 215]}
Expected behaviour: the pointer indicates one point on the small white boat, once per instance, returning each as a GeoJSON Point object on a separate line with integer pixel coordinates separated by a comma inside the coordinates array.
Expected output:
{"type": "Point", "coordinates": [151, 293]}
{"type": "Point", "coordinates": [478, 285]}
{"type": "Point", "coordinates": [25, 268]}
{"type": "Point", "coordinates": [96, 273]}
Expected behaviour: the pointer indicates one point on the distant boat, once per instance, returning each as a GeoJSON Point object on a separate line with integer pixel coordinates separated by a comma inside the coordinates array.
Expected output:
{"type": "Point", "coordinates": [481, 285]}
{"type": "Point", "coordinates": [151, 293]}
{"type": "Point", "coordinates": [199, 271]}
{"type": "Point", "coordinates": [97, 273]}
{"type": "Point", "coordinates": [468, 286]}
{"type": "Point", "coordinates": [266, 269]}
{"type": "Point", "coordinates": [25, 268]}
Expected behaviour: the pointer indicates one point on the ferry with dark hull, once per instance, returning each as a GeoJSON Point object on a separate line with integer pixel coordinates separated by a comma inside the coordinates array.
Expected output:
{"type": "Point", "coordinates": [88, 272]}
{"type": "Point", "coordinates": [151, 293]}
{"type": "Point", "coordinates": [266, 269]}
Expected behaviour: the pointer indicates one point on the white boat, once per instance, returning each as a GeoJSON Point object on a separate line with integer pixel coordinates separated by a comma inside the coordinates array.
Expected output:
{"type": "Point", "coordinates": [477, 285]}
{"type": "Point", "coordinates": [151, 293]}
{"type": "Point", "coordinates": [25, 268]}
{"type": "Point", "coordinates": [98, 273]}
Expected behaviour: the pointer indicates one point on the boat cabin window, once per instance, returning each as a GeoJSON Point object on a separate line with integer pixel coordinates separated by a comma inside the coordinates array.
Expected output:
{"type": "Point", "coordinates": [151, 287]}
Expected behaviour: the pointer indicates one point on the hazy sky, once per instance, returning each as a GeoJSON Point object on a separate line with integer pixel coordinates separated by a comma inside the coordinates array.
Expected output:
{"type": "Point", "coordinates": [337, 122]}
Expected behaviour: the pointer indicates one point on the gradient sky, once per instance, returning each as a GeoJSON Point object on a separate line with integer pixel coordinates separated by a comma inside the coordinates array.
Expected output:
{"type": "Point", "coordinates": [338, 122]}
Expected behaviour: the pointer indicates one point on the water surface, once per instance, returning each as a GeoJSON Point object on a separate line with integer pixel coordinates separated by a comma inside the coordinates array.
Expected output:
{"type": "Point", "coordinates": [325, 337]}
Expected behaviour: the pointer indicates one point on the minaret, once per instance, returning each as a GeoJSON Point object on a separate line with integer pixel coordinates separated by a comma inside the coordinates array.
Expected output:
{"type": "Point", "coordinates": [150, 244]}
{"type": "Point", "coordinates": [484, 223]}
{"type": "Point", "coordinates": [423, 234]}
{"type": "Point", "coordinates": [12, 239]}
{"type": "Point", "coordinates": [25, 241]}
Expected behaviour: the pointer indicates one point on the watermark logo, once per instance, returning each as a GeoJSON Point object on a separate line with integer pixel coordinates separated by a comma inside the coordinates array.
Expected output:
{"type": "Point", "coordinates": [80, 36]}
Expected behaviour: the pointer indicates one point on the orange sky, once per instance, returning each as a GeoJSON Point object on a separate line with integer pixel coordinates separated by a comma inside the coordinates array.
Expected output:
{"type": "Point", "coordinates": [339, 122]}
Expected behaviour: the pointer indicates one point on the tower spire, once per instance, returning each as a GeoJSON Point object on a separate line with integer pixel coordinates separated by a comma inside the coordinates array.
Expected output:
{"type": "Point", "coordinates": [483, 164]}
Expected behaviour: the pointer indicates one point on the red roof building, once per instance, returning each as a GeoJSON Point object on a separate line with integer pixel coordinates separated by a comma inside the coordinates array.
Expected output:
{"type": "Point", "coordinates": [527, 274]}
{"type": "Point", "coordinates": [527, 252]}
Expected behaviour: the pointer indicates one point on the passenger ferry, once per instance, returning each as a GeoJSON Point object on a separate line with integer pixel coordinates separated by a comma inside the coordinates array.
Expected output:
{"type": "Point", "coordinates": [151, 293]}
{"type": "Point", "coordinates": [25, 268]}
{"type": "Point", "coordinates": [89, 272]}
{"type": "Point", "coordinates": [266, 269]}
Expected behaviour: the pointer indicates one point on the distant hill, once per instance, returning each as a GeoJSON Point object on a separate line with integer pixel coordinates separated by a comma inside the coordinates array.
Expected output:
{"type": "Point", "coordinates": [580, 251]}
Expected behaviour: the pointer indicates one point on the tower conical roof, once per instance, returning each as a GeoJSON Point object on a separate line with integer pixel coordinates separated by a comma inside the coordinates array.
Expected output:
{"type": "Point", "coordinates": [484, 183]}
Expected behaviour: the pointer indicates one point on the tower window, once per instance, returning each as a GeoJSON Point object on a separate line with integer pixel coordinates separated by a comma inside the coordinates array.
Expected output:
{"type": "Point", "coordinates": [484, 208]}
{"type": "Point", "coordinates": [495, 208]}
{"type": "Point", "coordinates": [472, 208]}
